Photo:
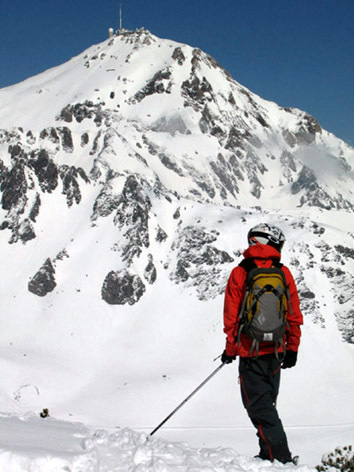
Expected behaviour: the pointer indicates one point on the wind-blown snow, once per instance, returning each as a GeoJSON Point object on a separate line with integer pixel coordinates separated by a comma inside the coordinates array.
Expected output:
{"type": "Point", "coordinates": [29, 443]}
{"type": "Point", "coordinates": [33, 444]}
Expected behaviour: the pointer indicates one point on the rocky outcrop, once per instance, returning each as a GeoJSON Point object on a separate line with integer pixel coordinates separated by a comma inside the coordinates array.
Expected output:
{"type": "Point", "coordinates": [150, 272]}
{"type": "Point", "coordinates": [106, 202]}
{"type": "Point", "coordinates": [199, 262]}
{"type": "Point", "coordinates": [45, 170]}
{"type": "Point", "coordinates": [337, 265]}
{"type": "Point", "coordinates": [314, 195]}
{"type": "Point", "coordinates": [122, 287]}
{"type": "Point", "coordinates": [71, 187]}
{"type": "Point", "coordinates": [178, 56]}
{"type": "Point", "coordinates": [14, 187]}
{"type": "Point", "coordinates": [43, 282]}
{"type": "Point", "coordinates": [197, 92]}
{"type": "Point", "coordinates": [82, 111]}
{"type": "Point", "coordinates": [308, 126]}
{"type": "Point", "coordinates": [159, 84]}
{"type": "Point", "coordinates": [132, 217]}
{"type": "Point", "coordinates": [30, 174]}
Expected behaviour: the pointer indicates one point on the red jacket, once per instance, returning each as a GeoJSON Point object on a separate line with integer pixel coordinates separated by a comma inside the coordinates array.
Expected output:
{"type": "Point", "coordinates": [234, 293]}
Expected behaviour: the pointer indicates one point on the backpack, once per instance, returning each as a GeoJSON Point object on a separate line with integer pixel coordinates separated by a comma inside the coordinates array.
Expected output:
{"type": "Point", "coordinates": [263, 314]}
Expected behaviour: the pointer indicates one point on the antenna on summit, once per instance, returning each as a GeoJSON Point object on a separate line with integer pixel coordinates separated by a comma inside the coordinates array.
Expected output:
{"type": "Point", "coordinates": [111, 30]}
{"type": "Point", "coordinates": [120, 17]}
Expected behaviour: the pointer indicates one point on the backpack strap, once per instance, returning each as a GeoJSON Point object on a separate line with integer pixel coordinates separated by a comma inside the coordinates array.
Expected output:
{"type": "Point", "coordinates": [248, 264]}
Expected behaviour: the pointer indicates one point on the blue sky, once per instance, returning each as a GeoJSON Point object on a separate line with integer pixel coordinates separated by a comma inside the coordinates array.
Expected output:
{"type": "Point", "coordinates": [298, 53]}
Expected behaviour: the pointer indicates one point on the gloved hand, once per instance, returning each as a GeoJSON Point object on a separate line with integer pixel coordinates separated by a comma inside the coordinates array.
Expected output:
{"type": "Point", "coordinates": [289, 360]}
{"type": "Point", "coordinates": [225, 359]}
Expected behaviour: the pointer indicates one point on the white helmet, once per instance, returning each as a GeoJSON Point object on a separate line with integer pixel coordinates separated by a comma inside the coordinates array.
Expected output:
{"type": "Point", "coordinates": [266, 234]}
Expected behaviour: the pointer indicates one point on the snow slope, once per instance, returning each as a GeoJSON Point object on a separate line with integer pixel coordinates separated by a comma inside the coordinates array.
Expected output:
{"type": "Point", "coordinates": [61, 446]}
{"type": "Point", "coordinates": [129, 367]}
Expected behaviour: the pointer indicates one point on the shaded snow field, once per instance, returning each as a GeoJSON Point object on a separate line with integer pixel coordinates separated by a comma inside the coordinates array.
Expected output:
{"type": "Point", "coordinates": [32, 444]}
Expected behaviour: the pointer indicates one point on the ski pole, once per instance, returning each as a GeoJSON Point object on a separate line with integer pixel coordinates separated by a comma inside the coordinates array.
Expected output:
{"type": "Point", "coordinates": [188, 398]}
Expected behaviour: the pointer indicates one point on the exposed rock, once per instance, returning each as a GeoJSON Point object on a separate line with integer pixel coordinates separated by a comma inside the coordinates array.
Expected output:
{"type": "Point", "coordinates": [25, 231]}
{"type": "Point", "coordinates": [14, 187]}
{"type": "Point", "coordinates": [306, 179]}
{"type": "Point", "coordinates": [66, 115]}
{"type": "Point", "coordinates": [44, 280]}
{"type": "Point", "coordinates": [155, 85]}
{"type": "Point", "coordinates": [84, 139]}
{"type": "Point", "coordinates": [66, 139]}
{"type": "Point", "coordinates": [161, 235]}
{"type": "Point", "coordinates": [289, 137]}
{"type": "Point", "coordinates": [82, 111]}
{"type": "Point", "coordinates": [181, 272]}
{"type": "Point", "coordinates": [45, 169]}
{"type": "Point", "coordinates": [178, 56]}
{"type": "Point", "coordinates": [51, 134]}
{"type": "Point", "coordinates": [308, 127]}
{"type": "Point", "coordinates": [106, 202]}
{"type": "Point", "coordinates": [314, 195]}
{"type": "Point", "coordinates": [209, 123]}
{"type": "Point", "coordinates": [71, 187]}
{"type": "Point", "coordinates": [197, 92]}
{"type": "Point", "coordinates": [262, 121]}
{"type": "Point", "coordinates": [170, 163]}
{"type": "Point", "coordinates": [121, 287]}
{"type": "Point", "coordinates": [94, 149]}
{"type": "Point", "coordinates": [177, 214]}
{"type": "Point", "coordinates": [226, 177]}
{"type": "Point", "coordinates": [346, 252]}
{"type": "Point", "coordinates": [337, 265]}
{"type": "Point", "coordinates": [150, 273]}
{"type": "Point", "coordinates": [132, 217]}
{"type": "Point", "coordinates": [61, 255]}
{"type": "Point", "coordinates": [307, 294]}
{"type": "Point", "coordinates": [346, 325]}
{"type": "Point", "coordinates": [199, 262]}
{"type": "Point", "coordinates": [310, 305]}
{"type": "Point", "coordinates": [288, 162]}
{"type": "Point", "coordinates": [236, 138]}
{"type": "Point", "coordinates": [35, 208]}
{"type": "Point", "coordinates": [236, 168]}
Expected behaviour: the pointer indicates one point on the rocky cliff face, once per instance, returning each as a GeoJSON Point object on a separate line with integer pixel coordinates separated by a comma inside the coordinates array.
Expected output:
{"type": "Point", "coordinates": [154, 124]}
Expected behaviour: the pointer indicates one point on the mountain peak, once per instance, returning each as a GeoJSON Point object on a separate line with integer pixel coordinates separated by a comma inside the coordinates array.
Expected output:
{"type": "Point", "coordinates": [156, 100]}
{"type": "Point", "coordinates": [139, 35]}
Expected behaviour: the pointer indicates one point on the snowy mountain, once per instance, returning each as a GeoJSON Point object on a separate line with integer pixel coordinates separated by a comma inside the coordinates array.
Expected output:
{"type": "Point", "coordinates": [130, 176]}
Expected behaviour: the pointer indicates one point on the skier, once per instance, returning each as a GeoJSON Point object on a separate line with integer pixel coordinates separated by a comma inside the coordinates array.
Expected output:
{"type": "Point", "coordinates": [259, 372]}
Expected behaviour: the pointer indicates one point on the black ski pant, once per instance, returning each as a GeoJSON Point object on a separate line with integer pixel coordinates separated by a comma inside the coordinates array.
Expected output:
{"type": "Point", "coordinates": [259, 380]}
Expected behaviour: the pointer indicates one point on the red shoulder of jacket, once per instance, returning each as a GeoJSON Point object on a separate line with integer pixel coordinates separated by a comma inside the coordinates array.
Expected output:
{"type": "Point", "coordinates": [261, 251]}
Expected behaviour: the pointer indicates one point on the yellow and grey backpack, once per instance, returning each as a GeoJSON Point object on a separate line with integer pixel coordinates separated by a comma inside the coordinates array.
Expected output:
{"type": "Point", "coordinates": [263, 314]}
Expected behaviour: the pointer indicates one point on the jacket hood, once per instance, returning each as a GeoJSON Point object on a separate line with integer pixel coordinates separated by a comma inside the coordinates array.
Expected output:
{"type": "Point", "coordinates": [261, 251]}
